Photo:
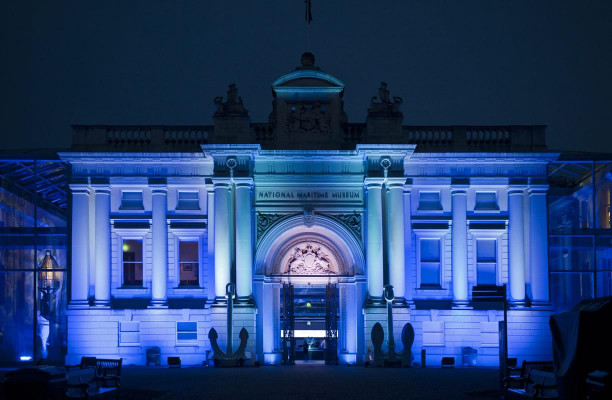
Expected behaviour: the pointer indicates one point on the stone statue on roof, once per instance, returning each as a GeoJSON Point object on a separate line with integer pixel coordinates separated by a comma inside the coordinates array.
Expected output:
{"type": "Point", "coordinates": [233, 103]}
{"type": "Point", "coordinates": [384, 105]}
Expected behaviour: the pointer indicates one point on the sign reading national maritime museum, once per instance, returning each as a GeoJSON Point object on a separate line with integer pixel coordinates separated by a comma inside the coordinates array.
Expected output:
{"type": "Point", "coordinates": [315, 195]}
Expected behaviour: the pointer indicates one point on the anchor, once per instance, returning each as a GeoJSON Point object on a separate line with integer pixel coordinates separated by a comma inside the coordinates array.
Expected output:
{"type": "Point", "coordinates": [229, 358]}
{"type": "Point", "coordinates": [391, 358]}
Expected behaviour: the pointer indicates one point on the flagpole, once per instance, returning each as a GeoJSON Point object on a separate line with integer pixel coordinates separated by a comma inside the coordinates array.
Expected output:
{"type": "Point", "coordinates": [307, 37]}
{"type": "Point", "coordinates": [308, 18]}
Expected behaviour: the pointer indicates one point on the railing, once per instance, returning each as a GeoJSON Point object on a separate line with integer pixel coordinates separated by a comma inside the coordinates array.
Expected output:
{"type": "Point", "coordinates": [513, 138]}
{"type": "Point", "coordinates": [140, 138]}
{"type": "Point", "coordinates": [263, 133]}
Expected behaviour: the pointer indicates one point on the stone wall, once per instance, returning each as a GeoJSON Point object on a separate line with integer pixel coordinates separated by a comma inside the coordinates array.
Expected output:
{"type": "Point", "coordinates": [444, 333]}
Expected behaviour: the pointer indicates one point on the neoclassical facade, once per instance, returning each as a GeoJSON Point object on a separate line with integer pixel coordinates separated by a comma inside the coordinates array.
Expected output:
{"type": "Point", "coordinates": [163, 218]}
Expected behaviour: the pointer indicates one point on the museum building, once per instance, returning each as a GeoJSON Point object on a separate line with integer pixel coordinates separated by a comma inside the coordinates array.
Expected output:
{"type": "Point", "coordinates": [310, 217]}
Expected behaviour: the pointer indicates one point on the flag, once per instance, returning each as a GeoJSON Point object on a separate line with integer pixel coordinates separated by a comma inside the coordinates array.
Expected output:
{"type": "Point", "coordinates": [308, 16]}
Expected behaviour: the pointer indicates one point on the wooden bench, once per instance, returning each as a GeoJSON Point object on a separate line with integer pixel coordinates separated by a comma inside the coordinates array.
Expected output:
{"type": "Point", "coordinates": [538, 385]}
{"type": "Point", "coordinates": [536, 380]}
{"type": "Point", "coordinates": [519, 381]}
{"type": "Point", "coordinates": [94, 377]}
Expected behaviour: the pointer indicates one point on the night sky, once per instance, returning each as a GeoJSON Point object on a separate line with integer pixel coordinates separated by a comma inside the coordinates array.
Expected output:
{"type": "Point", "coordinates": [162, 62]}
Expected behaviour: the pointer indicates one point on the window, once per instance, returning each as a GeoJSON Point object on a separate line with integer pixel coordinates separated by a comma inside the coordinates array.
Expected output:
{"type": "Point", "coordinates": [430, 263]}
{"type": "Point", "coordinates": [486, 201]}
{"type": "Point", "coordinates": [131, 200]}
{"type": "Point", "coordinates": [186, 332]}
{"type": "Point", "coordinates": [132, 262]}
{"type": "Point", "coordinates": [129, 333]}
{"type": "Point", "coordinates": [486, 261]}
{"type": "Point", "coordinates": [188, 201]}
{"type": "Point", "coordinates": [429, 201]}
{"type": "Point", "coordinates": [188, 263]}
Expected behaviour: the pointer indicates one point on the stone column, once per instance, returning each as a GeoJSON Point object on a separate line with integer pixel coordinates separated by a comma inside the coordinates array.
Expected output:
{"type": "Point", "coordinates": [516, 245]}
{"type": "Point", "coordinates": [244, 240]}
{"type": "Point", "coordinates": [409, 283]}
{"type": "Point", "coordinates": [538, 245]}
{"type": "Point", "coordinates": [159, 228]}
{"type": "Point", "coordinates": [210, 212]}
{"type": "Point", "coordinates": [222, 238]}
{"type": "Point", "coordinates": [374, 240]}
{"type": "Point", "coordinates": [80, 246]}
{"type": "Point", "coordinates": [102, 291]}
{"type": "Point", "coordinates": [459, 246]}
{"type": "Point", "coordinates": [395, 233]}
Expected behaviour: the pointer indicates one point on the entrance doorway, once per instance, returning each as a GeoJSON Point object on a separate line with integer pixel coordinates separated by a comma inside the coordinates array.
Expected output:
{"type": "Point", "coordinates": [309, 321]}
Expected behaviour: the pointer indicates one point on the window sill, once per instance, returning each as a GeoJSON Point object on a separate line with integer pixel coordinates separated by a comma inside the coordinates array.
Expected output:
{"type": "Point", "coordinates": [431, 287]}
{"type": "Point", "coordinates": [432, 293]}
{"type": "Point", "coordinates": [430, 210]}
{"type": "Point", "coordinates": [126, 292]}
{"type": "Point", "coordinates": [486, 210]}
{"type": "Point", "coordinates": [192, 344]}
{"type": "Point", "coordinates": [188, 288]}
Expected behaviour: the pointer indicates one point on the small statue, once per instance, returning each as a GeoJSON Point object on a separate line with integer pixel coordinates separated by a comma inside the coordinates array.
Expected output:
{"type": "Point", "coordinates": [383, 93]}
{"type": "Point", "coordinates": [232, 94]}
{"type": "Point", "coordinates": [233, 103]}
{"type": "Point", "coordinates": [385, 104]}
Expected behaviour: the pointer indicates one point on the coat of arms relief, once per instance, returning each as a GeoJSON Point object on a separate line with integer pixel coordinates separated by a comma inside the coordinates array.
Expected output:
{"type": "Point", "coordinates": [308, 118]}
{"type": "Point", "coordinates": [310, 259]}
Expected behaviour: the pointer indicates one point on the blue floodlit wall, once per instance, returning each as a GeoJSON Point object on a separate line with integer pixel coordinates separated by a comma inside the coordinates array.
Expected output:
{"type": "Point", "coordinates": [580, 231]}
{"type": "Point", "coordinates": [32, 220]}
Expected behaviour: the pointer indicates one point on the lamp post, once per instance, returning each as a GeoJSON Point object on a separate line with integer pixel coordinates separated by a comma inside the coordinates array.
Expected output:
{"type": "Point", "coordinates": [49, 282]}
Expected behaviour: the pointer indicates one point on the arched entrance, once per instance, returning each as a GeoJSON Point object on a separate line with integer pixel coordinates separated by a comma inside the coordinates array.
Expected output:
{"type": "Point", "coordinates": [309, 271]}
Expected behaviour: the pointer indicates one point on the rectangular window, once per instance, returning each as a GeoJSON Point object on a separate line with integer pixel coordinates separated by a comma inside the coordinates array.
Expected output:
{"type": "Point", "coordinates": [188, 201]}
{"type": "Point", "coordinates": [186, 332]}
{"type": "Point", "coordinates": [486, 261]}
{"type": "Point", "coordinates": [486, 201]}
{"type": "Point", "coordinates": [430, 263]}
{"type": "Point", "coordinates": [429, 201]}
{"type": "Point", "coordinates": [132, 262]}
{"type": "Point", "coordinates": [131, 200]}
{"type": "Point", "coordinates": [129, 333]}
{"type": "Point", "coordinates": [188, 263]}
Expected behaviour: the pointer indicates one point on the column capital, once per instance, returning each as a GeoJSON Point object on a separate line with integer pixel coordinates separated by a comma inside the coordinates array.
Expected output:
{"type": "Point", "coordinates": [373, 183]}
{"type": "Point", "coordinates": [221, 183]}
{"type": "Point", "coordinates": [101, 188]}
{"type": "Point", "coordinates": [243, 182]}
{"type": "Point", "coordinates": [79, 188]}
{"type": "Point", "coordinates": [459, 190]}
{"type": "Point", "coordinates": [159, 189]}
{"type": "Point", "coordinates": [514, 189]}
{"type": "Point", "coordinates": [396, 183]}
{"type": "Point", "coordinates": [459, 186]}
{"type": "Point", "coordinates": [537, 189]}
